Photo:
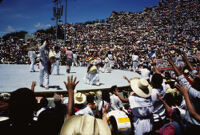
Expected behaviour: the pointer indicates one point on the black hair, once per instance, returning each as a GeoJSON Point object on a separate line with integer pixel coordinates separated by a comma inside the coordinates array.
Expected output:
{"type": "Point", "coordinates": [156, 81]}
{"type": "Point", "coordinates": [90, 98]}
{"type": "Point", "coordinates": [196, 83]}
{"type": "Point", "coordinates": [112, 89]}
{"type": "Point", "coordinates": [106, 96]}
{"type": "Point", "coordinates": [22, 104]}
{"type": "Point", "coordinates": [43, 102]}
{"type": "Point", "coordinates": [57, 48]}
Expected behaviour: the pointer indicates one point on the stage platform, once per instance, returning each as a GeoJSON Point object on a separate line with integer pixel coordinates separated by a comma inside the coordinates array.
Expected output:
{"type": "Point", "coordinates": [13, 77]}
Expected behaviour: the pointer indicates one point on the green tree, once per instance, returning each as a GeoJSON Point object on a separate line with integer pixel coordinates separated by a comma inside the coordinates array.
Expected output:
{"type": "Point", "coordinates": [20, 35]}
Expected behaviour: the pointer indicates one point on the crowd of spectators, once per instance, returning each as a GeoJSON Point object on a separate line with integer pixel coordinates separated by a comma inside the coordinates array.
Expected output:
{"type": "Point", "coordinates": [123, 34]}
{"type": "Point", "coordinates": [160, 102]}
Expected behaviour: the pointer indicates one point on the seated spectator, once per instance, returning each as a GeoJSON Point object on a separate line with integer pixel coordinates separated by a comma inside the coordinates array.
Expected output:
{"type": "Point", "coordinates": [4, 98]}
{"type": "Point", "coordinates": [194, 95]}
{"type": "Point", "coordinates": [77, 125]}
{"type": "Point", "coordinates": [115, 102]}
{"type": "Point", "coordinates": [43, 106]}
{"type": "Point", "coordinates": [22, 105]}
{"type": "Point", "coordinates": [175, 126]}
{"type": "Point", "coordinates": [85, 125]}
{"type": "Point", "coordinates": [79, 102]}
{"type": "Point", "coordinates": [141, 105]}
{"type": "Point", "coordinates": [159, 87]}
{"type": "Point", "coordinates": [104, 102]}
{"type": "Point", "coordinates": [89, 109]}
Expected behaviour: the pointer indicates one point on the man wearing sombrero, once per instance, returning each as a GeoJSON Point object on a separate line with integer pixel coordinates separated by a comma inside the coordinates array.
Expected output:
{"type": "Point", "coordinates": [140, 104]}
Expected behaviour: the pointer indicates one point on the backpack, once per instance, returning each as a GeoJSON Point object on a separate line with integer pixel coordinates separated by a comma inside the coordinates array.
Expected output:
{"type": "Point", "coordinates": [175, 124]}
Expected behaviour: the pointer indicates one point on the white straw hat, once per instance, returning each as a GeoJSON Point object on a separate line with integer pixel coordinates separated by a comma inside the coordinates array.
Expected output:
{"type": "Point", "coordinates": [85, 125]}
{"type": "Point", "coordinates": [93, 70]}
{"type": "Point", "coordinates": [79, 98]}
{"type": "Point", "coordinates": [141, 87]}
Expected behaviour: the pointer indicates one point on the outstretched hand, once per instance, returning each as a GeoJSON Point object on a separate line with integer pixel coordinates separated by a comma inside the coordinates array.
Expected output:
{"type": "Point", "coordinates": [169, 59]}
{"type": "Point", "coordinates": [33, 85]}
{"type": "Point", "coordinates": [160, 97]}
{"type": "Point", "coordinates": [71, 83]}
{"type": "Point", "coordinates": [126, 78]}
{"type": "Point", "coordinates": [182, 89]}
{"type": "Point", "coordinates": [184, 56]}
{"type": "Point", "coordinates": [153, 62]}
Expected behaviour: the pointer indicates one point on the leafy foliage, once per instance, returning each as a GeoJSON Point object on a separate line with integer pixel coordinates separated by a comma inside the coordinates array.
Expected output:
{"type": "Point", "coordinates": [20, 35]}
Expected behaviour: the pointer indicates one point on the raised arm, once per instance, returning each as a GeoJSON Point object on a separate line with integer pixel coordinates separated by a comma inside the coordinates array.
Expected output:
{"type": "Point", "coordinates": [33, 86]}
{"type": "Point", "coordinates": [44, 44]}
{"type": "Point", "coordinates": [184, 56]}
{"type": "Point", "coordinates": [155, 67]}
{"type": "Point", "coordinates": [120, 97]}
{"type": "Point", "coordinates": [190, 107]}
{"type": "Point", "coordinates": [70, 85]}
{"type": "Point", "coordinates": [167, 107]}
{"type": "Point", "coordinates": [178, 72]}
{"type": "Point", "coordinates": [126, 79]}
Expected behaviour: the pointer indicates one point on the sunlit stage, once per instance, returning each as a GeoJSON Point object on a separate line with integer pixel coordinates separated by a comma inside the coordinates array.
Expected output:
{"type": "Point", "coordinates": [13, 77]}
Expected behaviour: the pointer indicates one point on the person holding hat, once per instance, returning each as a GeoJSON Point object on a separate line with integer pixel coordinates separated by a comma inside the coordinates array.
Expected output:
{"type": "Point", "coordinates": [45, 64]}
{"type": "Point", "coordinates": [140, 104]}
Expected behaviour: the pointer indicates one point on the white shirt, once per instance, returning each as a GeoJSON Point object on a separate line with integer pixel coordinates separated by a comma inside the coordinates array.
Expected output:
{"type": "Point", "coordinates": [115, 102]}
{"type": "Point", "coordinates": [57, 55]}
{"type": "Point", "coordinates": [159, 109]}
{"type": "Point", "coordinates": [100, 105]}
{"type": "Point", "coordinates": [145, 73]}
{"type": "Point", "coordinates": [86, 111]}
{"type": "Point", "coordinates": [32, 55]}
{"type": "Point", "coordinates": [135, 58]}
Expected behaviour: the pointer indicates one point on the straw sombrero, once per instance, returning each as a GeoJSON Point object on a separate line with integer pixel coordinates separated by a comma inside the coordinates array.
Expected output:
{"type": "Point", "coordinates": [93, 70]}
{"type": "Point", "coordinates": [51, 55]}
{"type": "Point", "coordinates": [79, 98]}
{"type": "Point", "coordinates": [172, 91]}
{"type": "Point", "coordinates": [84, 125]}
{"type": "Point", "coordinates": [141, 87]}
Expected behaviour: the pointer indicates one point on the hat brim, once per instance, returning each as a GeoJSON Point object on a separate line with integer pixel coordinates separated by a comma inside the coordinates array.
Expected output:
{"type": "Point", "coordinates": [80, 102]}
{"type": "Point", "coordinates": [137, 90]}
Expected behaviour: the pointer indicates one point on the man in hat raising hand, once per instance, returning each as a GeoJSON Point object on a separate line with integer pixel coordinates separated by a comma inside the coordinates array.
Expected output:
{"type": "Point", "coordinates": [140, 104]}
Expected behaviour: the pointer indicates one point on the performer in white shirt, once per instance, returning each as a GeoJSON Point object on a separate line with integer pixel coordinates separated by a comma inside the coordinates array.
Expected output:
{"type": "Point", "coordinates": [92, 76]}
{"type": "Point", "coordinates": [108, 63]}
{"type": "Point", "coordinates": [56, 52]}
{"type": "Point", "coordinates": [32, 55]}
{"type": "Point", "coordinates": [45, 64]}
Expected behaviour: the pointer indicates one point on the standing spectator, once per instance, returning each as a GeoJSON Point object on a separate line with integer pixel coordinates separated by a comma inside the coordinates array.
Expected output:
{"type": "Point", "coordinates": [115, 102]}
{"type": "Point", "coordinates": [141, 105]}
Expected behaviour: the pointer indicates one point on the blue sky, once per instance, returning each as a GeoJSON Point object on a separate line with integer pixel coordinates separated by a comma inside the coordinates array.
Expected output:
{"type": "Point", "coordinates": [30, 15]}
